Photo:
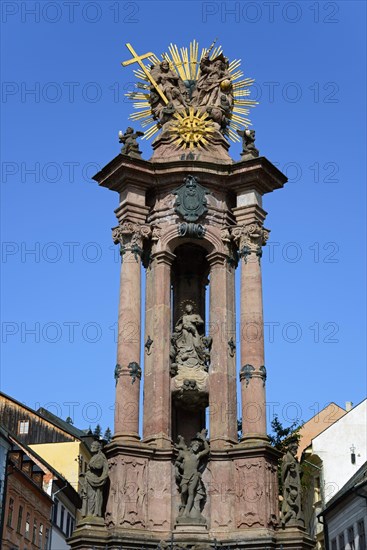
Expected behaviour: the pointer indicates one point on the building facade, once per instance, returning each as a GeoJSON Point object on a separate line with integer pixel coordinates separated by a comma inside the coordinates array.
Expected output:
{"type": "Point", "coordinates": [333, 457]}
{"type": "Point", "coordinates": [28, 507]}
{"type": "Point", "coordinates": [59, 443]}
{"type": "Point", "coordinates": [345, 516]}
{"type": "Point", "coordinates": [40, 481]}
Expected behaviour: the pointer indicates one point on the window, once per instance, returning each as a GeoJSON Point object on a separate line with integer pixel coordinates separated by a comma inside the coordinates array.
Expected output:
{"type": "Point", "coordinates": [333, 544]}
{"type": "Point", "coordinates": [55, 511]}
{"type": "Point", "coordinates": [20, 519]}
{"type": "Point", "coordinates": [10, 512]}
{"type": "Point", "coordinates": [341, 542]}
{"type": "Point", "coordinates": [23, 427]}
{"type": "Point", "coordinates": [351, 538]}
{"type": "Point", "coordinates": [47, 539]}
{"type": "Point", "coordinates": [69, 525]}
{"type": "Point", "coordinates": [361, 536]}
{"type": "Point", "coordinates": [62, 513]}
{"type": "Point", "coordinates": [27, 525]}
{"type": "Point", "coordinates": [34, 533]}
{"type": "Point", "coordinates": [317, 490]}
{"type": "Point", "coordinates": [40, 542]}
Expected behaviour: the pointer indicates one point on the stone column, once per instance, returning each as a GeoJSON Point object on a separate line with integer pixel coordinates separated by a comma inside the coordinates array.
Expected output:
{"type": "Point", "coordinates": [222, 374]}
{"type": "Point", "coordinates": [128, 371]}
{"type": "Point", "coordinates": [158, 327]}
{"type": "Point", "coordinates": [250, 237]}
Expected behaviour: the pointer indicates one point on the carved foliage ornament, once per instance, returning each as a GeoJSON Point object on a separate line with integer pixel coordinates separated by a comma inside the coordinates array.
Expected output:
{"type": "Point", "coordinates": [134, 371]}
{"type": "Point", "coordinates": [249, 239]}
{"type": "Point", "coordinates": [248, 372]}
{"type": "Point", "coordinates": [130, 237]}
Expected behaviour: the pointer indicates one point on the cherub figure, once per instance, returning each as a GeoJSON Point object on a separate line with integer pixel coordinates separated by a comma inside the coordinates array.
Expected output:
{"type": "Point", "coordinates": [129, 139]}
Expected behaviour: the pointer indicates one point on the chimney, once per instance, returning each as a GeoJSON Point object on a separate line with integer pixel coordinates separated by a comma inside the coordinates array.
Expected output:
{"type": "Point", "coordinates": [348, 406]}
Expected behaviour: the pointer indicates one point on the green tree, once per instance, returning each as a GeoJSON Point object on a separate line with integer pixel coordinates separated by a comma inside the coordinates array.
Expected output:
{"type": "Point", "coordinates": [281, 437]}
{"type": "Point", "coordinates": [97, 432]}
{"type": "Point", "coordinates": [107, 435]}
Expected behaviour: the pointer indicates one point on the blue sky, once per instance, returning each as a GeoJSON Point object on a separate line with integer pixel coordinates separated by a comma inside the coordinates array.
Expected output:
{"type": "Point", "coordinates": [62, 106]}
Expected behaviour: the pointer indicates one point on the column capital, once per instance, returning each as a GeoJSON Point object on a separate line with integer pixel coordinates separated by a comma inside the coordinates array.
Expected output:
{"type": "Point", "coordinates": [130, 236]}
{"type": "Point", "coordinates": [250, 239]}
{"type": "Point", "coordinates": [217, 258]}
{"type": "Point", "coordinates": [163, 257]}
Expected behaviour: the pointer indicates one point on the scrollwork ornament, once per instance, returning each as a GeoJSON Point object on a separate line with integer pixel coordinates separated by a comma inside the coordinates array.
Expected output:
{"type": "Point", "coordinates": [193, 230]}
{"type": "Point", "coordinates": [156, 233]}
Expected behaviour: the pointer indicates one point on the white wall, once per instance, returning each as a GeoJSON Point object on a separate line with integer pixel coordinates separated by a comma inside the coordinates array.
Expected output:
{"type": "Point", "coordinates": [333, 447]}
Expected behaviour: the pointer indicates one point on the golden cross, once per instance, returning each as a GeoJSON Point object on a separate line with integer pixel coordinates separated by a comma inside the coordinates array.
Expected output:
{"type": "Point", "coordinates": [139, 60]}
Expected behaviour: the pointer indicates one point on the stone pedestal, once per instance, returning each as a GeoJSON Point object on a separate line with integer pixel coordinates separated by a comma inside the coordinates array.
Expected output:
{"type": "Point", "coordinates": [190, 260]}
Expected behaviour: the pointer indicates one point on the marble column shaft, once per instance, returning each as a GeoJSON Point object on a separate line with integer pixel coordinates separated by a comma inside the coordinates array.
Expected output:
{"type": "Point", "coordinates": [222, 380]}
{"type": "Point", "coordinates": [157, 393]}
{"type": "Point", "coordinates": [252, 349]}
{"type": "Point", "coordinates": [128, 347]}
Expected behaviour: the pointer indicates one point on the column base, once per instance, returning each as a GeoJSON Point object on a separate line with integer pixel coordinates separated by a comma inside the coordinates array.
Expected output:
{"type": "Point", "coordinates": [160, 441]}
{"type": "Point", "coordinates": [221, 443]}
{"type": "Point", "coordinates": [253, 438]}
{"type": "Point", "coordinates": [125, 437]}
{"type": "Point", "coordinates": [90, 532]}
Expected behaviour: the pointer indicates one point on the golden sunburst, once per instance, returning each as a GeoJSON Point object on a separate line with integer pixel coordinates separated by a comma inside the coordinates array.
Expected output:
{"type": "Point", "coordinates": [186, 63]}
{"type": "Point", "coordinates": [191, 128]}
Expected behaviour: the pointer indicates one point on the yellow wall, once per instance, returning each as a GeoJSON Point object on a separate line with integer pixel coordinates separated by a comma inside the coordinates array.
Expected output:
{"type": "Point", "coordinates": [63, 457]}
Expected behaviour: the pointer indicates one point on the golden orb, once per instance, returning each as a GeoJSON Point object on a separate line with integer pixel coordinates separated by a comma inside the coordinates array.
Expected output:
{"type": "Point", "coordinates": [226, 85]}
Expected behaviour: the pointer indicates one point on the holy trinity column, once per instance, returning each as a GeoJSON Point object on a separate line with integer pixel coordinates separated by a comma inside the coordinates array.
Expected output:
{"type": "Point", "coordinates": [176, 473]}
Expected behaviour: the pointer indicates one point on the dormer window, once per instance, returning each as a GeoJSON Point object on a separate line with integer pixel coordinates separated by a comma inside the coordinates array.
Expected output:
{"type": "Point", "coordinates": [23, 427]}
